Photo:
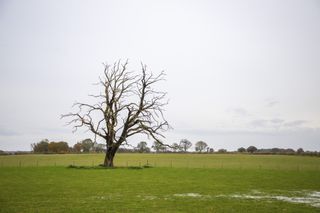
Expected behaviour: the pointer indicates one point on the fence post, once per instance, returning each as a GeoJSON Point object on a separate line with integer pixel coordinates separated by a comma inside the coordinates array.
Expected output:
{"type": "Point", "coordinates": [19, 163]}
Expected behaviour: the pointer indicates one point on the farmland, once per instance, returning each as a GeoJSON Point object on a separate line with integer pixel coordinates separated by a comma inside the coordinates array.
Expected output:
{"type": "Point", "coordinates": [174, 183]}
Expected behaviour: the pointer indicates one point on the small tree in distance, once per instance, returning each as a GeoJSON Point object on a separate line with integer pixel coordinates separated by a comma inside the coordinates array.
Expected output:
{"type": "Point", "coordinates": [77, 147]}
{"type": "Point", "coordinates": [143, 147]}
{"type": "Point", "coordinates": [300, 151]}
{"type": "Point", "coordinates": [251, 149]}
{"type": "Point", "coordinates": [222, 151]}
{"type": "Point", "coordinates": [41, 147]}
{"type": "Point", "coordinates": [200, 146]}
{"type": "Point", "coordinates": [158, 147]}
{"type": "Point", "coordinates": [185, 145]}
{"type": "Point", "coordinates": [241, 150]}
{"type": "Point", "coordinates": [175, 147]}
{"type": "Point", "coordinates": [87, 145]}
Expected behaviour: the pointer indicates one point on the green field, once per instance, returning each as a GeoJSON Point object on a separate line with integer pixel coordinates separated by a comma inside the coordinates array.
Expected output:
{"type": "Point", "coordinates": [175, 183]}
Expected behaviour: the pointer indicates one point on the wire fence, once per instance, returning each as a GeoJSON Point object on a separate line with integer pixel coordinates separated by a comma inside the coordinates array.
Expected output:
{"type": "Point", "coordinates": [164, 164]}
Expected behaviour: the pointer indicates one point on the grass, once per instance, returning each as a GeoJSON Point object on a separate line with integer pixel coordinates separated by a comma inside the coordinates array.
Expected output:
{"type": "Point", "coordinates": [231, 161]}
{"type": "Point", "coordinates": [194, 183]}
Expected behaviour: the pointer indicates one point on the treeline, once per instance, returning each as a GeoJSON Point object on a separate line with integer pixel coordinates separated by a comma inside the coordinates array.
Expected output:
{"type": "Point", "coordinates": [202, 147]}
{"type": "Point", "coordinates": [88, 146]}
{"type": "Point", "coordinates": [61, 147]}
{"type": "Point", "coordinates": [289, 151]}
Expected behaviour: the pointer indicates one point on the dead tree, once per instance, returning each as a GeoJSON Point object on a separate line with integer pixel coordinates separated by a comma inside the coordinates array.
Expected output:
{"type": "Point", "coordinates": [128, 105]}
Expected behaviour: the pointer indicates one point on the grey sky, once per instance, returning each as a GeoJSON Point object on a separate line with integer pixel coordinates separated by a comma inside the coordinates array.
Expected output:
{"type": "Point", "coordinates": [239, 73]}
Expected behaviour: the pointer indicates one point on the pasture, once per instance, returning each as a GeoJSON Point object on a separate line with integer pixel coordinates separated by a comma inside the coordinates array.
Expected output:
{"type": "Point", "coordinates": [174, 183]}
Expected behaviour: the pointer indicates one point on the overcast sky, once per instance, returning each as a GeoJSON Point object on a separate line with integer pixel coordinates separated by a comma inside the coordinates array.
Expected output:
{"type": "Point", "coordinates": [239, 73]}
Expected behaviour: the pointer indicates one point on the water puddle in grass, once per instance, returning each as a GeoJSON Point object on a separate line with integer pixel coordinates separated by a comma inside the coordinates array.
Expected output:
{"type": "Point", "coordinates": [188, 195]}
{"type": "Point", "coordinates": [191, 194]}
{"type": "Point", "coordinates": [309, 198]}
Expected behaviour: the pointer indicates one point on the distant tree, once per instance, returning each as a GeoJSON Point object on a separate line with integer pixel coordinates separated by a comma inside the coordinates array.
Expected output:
{"type": "Point", "coordinates": [200, 146]}
{"type": "Point", "coordinates": [77, 147]}
{"type": "Point", "coordinates": [45, 146]}
{"type": "Point", "coordinates": [211, 150]}
{"type": "Point", "coordinates": [143, 147]}
{"type": "Point", "coordinates": [300, 151]}
{"type": "Point", "coordinates": [175, 147]}
{"type": "Point", "coordinates": [158, 147]}
{"type": "Point", "coordinates": [41, 147]}
{"type": "Point", "coordinates": [252, 149]}
{"type": "Point", "coordinates": [185, 145]}
{"type": "Point", "coordinates": [241, 149]}
{"type": "Point", "coordinates": [87, 145]}
{"type": "Point", "coordinates": [3, 152]}
{"type": "Point", "coordinates": [289, 151]}
{"type": "Point", "coordinates": [222, 151]}
{"type": "Point", "coordinates": [276, 150]}
{"type": "Point", "coordinates": [100, 147]}
{"type": "Point", "coordinates": [58, 147]}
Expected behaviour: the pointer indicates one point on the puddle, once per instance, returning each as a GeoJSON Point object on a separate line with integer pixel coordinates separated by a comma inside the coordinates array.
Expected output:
{"type": "Point", "coordinates": [310, 198]}
{"type": "Point", "coordinates": [315, 194]}
{"type": "Point", "coordinates": [188, 195]}
{"type": "Point", "coordinates": [150, 197]}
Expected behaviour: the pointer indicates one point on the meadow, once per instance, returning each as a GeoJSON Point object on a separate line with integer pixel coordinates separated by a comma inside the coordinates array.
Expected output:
{"type": "Point", "coordinates": [172, 183]}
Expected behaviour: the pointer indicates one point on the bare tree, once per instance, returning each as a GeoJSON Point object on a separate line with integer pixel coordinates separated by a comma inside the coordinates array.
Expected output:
{"type": "Point", "coordinates": [128, 105]}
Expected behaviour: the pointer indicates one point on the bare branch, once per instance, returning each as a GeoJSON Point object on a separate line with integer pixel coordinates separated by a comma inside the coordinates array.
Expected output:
{"type": "Point", "coordinates": [127, 105]}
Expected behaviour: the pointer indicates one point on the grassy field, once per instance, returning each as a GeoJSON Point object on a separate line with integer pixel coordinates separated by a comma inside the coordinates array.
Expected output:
{"type": "Point", "coordinates": [175, 183]}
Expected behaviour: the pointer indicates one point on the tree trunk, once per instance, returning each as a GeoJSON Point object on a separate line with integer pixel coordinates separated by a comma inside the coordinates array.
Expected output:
{"type": "Point", "coordinates": [108, 160]}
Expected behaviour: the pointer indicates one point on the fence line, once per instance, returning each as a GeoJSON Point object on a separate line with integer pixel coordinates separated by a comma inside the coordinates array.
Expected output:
{"type": "Point", "coordinates": [170, 164]}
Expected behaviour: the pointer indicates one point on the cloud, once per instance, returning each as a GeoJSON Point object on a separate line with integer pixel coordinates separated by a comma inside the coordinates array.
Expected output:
{"type": "Point", "coordinates": [277, 121]}
{"type": "Point", "coordinates": [272, 103]}
{"type": "Point", "coordinates": [259, 123]}
{"type": "Point", "coordinates": [296, 123]}
{"type": "Point", "coordinates": [230, 131]}
{"type": "Point", "coordinates": [240, 111]}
